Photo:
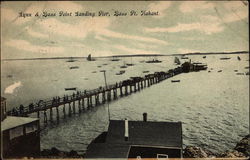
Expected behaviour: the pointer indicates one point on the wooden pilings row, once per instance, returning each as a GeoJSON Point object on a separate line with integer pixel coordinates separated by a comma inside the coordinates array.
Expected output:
{"type": "Point", "coordinates": [98, 98]}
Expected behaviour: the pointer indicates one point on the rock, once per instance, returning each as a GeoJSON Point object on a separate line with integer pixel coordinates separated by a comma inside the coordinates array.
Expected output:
{"type": "Point", "coordinates": [55, 151]}
{"type": "Point", "coordinates": [244, 146]}
{"type": "Point", "coordinates": [194, 152]}
{"type": "Point", "coordinates": [232, 154]}
{"type": "Point", "coordinates": [73, 154]}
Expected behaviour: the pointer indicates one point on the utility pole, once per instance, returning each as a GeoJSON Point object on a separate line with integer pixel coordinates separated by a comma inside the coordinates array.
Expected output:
{"type": "Point", "coordinates": [104, 72]}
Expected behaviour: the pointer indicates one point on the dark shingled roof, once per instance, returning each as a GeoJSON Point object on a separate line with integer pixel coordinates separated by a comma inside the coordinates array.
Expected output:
{"type": "Point", "coordinates": [168, 134]}
{"type": "Point", "coordinates": [157, 134]}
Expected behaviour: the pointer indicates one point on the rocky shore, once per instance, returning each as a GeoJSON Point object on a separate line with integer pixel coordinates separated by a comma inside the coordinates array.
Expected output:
{"type": "Point", "coordinates": [241, 150]}
{"type": "Point", "coordinates": [56, 153]}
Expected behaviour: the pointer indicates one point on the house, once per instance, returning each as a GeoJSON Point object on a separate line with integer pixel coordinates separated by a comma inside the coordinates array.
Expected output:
{"type": "Point", "coordinates": [138, 139]}
{"type": "Point", "coordinates": [20, 135]}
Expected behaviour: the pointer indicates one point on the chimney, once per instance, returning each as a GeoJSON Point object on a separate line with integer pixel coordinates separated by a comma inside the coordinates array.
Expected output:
{"type": "Point", "coordinates": [126, 130]}
{"type": "Point", "coordinates": [145, 117]}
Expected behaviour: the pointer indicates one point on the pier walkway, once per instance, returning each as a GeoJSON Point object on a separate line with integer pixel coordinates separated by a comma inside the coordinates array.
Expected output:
{"type": "Point", "coordinates": [95, 97]}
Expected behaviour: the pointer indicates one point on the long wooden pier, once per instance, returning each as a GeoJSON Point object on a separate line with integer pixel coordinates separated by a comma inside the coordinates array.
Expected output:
{"type": "Point", "coordinates": [95, 97]}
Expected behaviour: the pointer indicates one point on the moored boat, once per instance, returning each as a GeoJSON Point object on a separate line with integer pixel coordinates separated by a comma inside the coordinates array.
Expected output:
{"type": "Point", "coordinates": [154, 61]}
{"type": "Point", "coordinates": [175, 81]}
{"type": "Point", "coordinates": [225, 58]}
{"type": "Point", "coordinates": [68, 89]}
{"type": "Point", "coordinates": [74, 67]}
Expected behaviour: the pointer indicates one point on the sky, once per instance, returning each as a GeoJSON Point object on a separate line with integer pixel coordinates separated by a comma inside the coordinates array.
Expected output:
{"type": "Point", "coordinates": [179, 27]}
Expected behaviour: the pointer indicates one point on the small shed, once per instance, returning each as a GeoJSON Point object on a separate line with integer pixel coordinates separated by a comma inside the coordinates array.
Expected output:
{"type": "Point", "coordinates": [135, 139]}
{"type": "Point", "coordinates": [20, 135]}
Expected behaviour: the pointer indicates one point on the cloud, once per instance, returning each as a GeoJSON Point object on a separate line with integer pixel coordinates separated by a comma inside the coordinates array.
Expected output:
{"type": "Point", "coordinates": [207, 28]}
{"type": "Point", "coordinates": [78, 30]}
{"type": "Point", "coordinates": [40, 7]}
{"type": "Point", "coordinates": [65, 6]}
{"type": "Point", "coordinates": [133, 50]}
{"type": "Point", "coordinates": [36, 34]}
{"type": "Point", "coordinates": [183, 51]}
{"type": "Point", "coordinates": [113, 34]}
{"type": "Point", "coordinates": [26, 46]}
{"type": "Point", "coordinates": [188, 7]}
{"type": "Point", "coordinates": [96, 25]}
{"type": "Point", "coordinates": [159, 6]}
{"type": "Point", "coordinates": [8, 14]}
{"type": "Point", "coordinates": [101, 38]}
{"type": "Point", "coordinates": [236, 16]}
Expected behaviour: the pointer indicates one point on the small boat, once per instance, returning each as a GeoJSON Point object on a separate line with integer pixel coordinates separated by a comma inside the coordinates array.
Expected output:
{"type": "Point", "coordinates": [121, 72]}
{"type": "Point", "coordinates": [173, 81]}
{"type": "Point", "coordinates": [145, 71]}
{"type": "Point", "coordinates": [130, 64]}
{"type": "Point", "coordinates": [115, 59]}
{"type": "Point", "coordinates": [74, 67]}
{"type": "Point", "coordinates": [247, 73]}
{"type": "Point", "coordinates": [9, 76]}
{"type": "Point", "coordinates": [68, 89]}
{"type": "Point", "coordinates": [177, 60]}
{"type": "Point", "coordinates": [204, 57]}
{"type": "Point", "coordinates": [99, 66]}
{"type": "Point", "coordinates": [123, 66]}
{"type": "Point", "coordinates": [236, 70]}
{"type": "Point", "coordinates": [239, 58]}
{"type": "Point", "coordinates": [154, 61]}
{"type": "Point", "coordinates": [105, 64]}
{"type": "Point", "coordinates": [209, 71]}
{"type": "Point", "coordinates": [89, 58]}
{"type": "Point", "coordinates": [239, 73]}
{"type": "Point", "coordinates": [219, 70]}
{"type": "Point", "coordinates": [184, 57]}
{"type": "Point", "coordinates": [225, 58]}
{"type": "Point", "coordinates": [247, 67]}
{"type": "Point", "coordinates": [94, 72]}
{"type": "Point", "coordinates": [71, 60]}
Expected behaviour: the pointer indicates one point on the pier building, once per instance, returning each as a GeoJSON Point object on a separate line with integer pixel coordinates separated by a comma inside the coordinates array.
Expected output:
{"type": "Point", "coordinates": [20, 136]}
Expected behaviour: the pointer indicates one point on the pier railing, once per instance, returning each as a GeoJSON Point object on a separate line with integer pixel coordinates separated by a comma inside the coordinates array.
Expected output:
{"type": "Point", "coordinates": [100, 95]}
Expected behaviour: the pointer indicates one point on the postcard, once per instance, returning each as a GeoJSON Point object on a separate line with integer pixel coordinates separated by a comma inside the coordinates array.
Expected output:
{"type": "Point", "coordinates": [125, 79]}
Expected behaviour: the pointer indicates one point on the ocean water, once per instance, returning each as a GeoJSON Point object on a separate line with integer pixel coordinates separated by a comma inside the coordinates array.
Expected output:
{"type": "Point", "coordinates": [212, 106]}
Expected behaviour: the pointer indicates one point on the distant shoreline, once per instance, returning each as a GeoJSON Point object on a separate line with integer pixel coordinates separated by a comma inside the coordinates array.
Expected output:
{"type": "Point", "coordinates": [137, 55]}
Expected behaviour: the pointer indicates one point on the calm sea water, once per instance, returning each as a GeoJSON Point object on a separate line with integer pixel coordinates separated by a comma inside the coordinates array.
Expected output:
{"type": "Point", "coordinates": [213, 106]}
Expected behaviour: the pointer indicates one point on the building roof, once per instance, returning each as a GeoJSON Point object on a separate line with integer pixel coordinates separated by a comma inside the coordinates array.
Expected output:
{"type": "Point", "coordinates": [3, 99]}
{"type": "Point", "coordinates": [12, 122]}
{"type": "Point", "coordinates": [155, 134]}
{"type": "Point", "coordinates": [167, 134]}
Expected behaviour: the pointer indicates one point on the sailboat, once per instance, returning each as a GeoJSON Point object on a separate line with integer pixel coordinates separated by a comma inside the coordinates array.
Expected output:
{"type": "Point", "coordinates": [130, 64]}
{"type": "Point", "coordinates": [124, 66]}
{"type": "Point", "coordinates": [115, 59]}
{"type": "Point", "coordinates": [89, 58]}
{"type": "Point", "coordinates": [177, 61]}
{"type": "Point", "coordinates": [71, 60]}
